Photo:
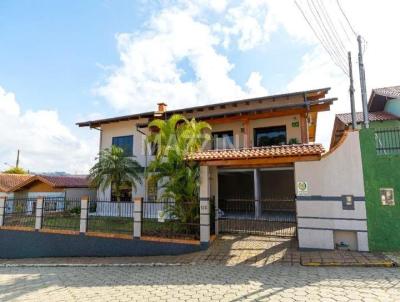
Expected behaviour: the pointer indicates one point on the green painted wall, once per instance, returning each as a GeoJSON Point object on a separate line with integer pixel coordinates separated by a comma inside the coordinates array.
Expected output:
{"type": "Point", "coordinates": [381, 171]}
{"type": "Point", "coordinates": [393, 106]}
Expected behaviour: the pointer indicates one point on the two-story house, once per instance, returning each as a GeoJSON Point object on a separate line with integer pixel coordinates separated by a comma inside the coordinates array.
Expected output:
{"type": "Point", "coordinates": [255, 143]}
{"type": "Point", "coordinates": [287, 121]}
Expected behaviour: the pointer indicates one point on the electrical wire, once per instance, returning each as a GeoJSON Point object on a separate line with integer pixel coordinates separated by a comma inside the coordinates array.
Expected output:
{"type": "Point", "coordinates": [324, 40]}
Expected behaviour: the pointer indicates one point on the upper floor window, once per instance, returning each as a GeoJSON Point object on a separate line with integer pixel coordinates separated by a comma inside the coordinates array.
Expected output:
{"type": "Point", "coordinates": [125, 143]}
{"type": "Point", "coordinates": [222, 140]}
{"type": "Point", "coordinates": [270, 136]}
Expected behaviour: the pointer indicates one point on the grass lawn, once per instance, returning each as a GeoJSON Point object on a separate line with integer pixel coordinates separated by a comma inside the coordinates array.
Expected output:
{"type": "Point", "coordinates": [118, 225]}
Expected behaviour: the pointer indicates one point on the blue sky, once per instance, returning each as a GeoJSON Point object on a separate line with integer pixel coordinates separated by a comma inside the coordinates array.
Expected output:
{"type": "Point", "coordinates": [57, 50]}
{"type": "Point", "coordinates": [68, 61]}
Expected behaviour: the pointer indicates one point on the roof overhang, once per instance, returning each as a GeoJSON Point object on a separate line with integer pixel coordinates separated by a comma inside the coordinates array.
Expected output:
{"type": "Point", "coordinates": [311, 97]}
{"type": "Point", "coordinates": [258, 156]}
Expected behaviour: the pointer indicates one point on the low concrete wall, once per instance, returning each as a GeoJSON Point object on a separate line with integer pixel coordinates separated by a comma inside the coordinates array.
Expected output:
{"type": "Point", "coordinates": [20, 244]}
{"type": "Point", "coordinates": [320, 210]}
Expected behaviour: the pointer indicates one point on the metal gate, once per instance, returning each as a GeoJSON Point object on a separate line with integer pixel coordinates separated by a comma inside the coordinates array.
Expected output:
{"type": "Point", "coordinates": [260, 217]}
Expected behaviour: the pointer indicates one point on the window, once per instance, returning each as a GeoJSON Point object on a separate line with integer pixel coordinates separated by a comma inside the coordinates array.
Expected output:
{"type": "Point", "coordinates": [152, 189]}
{"type": "Point", "coordinates": [270, 136]}
{"type": "Point", "coordinates": [124, 142]}
{"type": "Point", "coordinates": [387, 196]}
{"type": "Point", "coordinates": [125, 193]}
{"type": "Point", "coordinates": [222, 140]}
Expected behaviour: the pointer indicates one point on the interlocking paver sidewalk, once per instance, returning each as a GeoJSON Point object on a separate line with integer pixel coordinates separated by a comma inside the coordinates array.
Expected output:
{"type": "Point", "coordinates": [232, 250]}
{"type": "Point", "coordinates": [202, 282]}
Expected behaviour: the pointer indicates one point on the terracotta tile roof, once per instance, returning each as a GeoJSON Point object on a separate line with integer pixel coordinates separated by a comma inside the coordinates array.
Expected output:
{"type": "Point", "coordinates": [7, 181]}
{"type": "Point", "coordinates": [73, 181]}
{"type": "Point", "coordinates": [373, 117]}
{"type": "Point", "coordinates": [391, 92]}
{"type": "Point", "coordinates": [258, 152]}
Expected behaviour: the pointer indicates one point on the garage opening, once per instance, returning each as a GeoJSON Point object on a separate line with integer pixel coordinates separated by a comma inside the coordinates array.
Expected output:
{"type": "Point", "coordinates": [257, 201]}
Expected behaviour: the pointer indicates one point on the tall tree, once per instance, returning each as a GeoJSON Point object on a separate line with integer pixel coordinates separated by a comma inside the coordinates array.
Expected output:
{"type": "Point", "coordinates": [116, 170]}
{"type": "Point", "coordinates": [179, 178]}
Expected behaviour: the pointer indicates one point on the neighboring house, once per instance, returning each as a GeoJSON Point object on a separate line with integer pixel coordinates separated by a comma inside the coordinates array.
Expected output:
{"type": "Point", "coordinates": [380, 149]}
{"type": "Point", "coordinates": [263, 168]}
{"type": "Point", "coordinates": [8, 181]}
{"type": "Point", "coordinates": [69, 187]}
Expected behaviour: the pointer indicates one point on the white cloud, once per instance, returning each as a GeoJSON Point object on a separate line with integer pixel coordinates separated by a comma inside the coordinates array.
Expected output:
{"type": "Point", "coordinates": [149, 69]}
{"type": "Point", "coordinates": [150, 72]}
{"type": "Point", "coordinates": [382, 64]}
{"type": "Point", "coordinates": [45, 143]}
{"type": "Point", "coordinates": [255, 86]}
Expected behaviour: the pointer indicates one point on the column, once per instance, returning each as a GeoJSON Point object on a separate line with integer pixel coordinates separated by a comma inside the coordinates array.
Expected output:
{"type": "Point", "coordinates": [257, 194]}
{"type": "Point", "coordinates": [39, 213]}
{"type": "Point", "coordinates": [214, 186]}
{"type": "Point", "coordinates": [137, 217]}
{"type": "Point", "coordinates": [2, 209]}
{"type": "Point", "coordinates": [204, 206]}
{"type": "Point", "coordinates": [84, 214]}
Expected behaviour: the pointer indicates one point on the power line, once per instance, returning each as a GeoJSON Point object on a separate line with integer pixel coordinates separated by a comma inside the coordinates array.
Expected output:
{"type": "Point", "coordinates": [336, 46]}
{"type": "Point", "coordinates": [347, 19]}
{"type": "Point", "coordinates": [327, 44]}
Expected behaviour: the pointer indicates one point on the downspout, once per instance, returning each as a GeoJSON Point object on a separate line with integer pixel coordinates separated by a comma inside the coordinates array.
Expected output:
{"type": "Point", "coordinates": [145, 162]}
{"type": "Point", "coordinates": [100, 144]}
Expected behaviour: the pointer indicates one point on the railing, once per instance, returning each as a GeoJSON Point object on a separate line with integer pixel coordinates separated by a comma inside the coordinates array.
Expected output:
{"type": "Point", "coordinates": [61, 213]}
{"type": "Point", "coordinates": [110, 217]}
{"type": "Point", "coordinates": [271, 217]}
{"type": "Point", "coordinates": [20, 212]}
{"type": "Point", "coordinates": [171, 219]}
{"type": "Point", "coordinates": [387, 141]}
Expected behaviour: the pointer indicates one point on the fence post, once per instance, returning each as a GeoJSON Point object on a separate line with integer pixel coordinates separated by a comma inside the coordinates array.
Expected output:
{"type": "Point", "coordinates": [137, 217]}
{"type": "Point", "coordinates": [204, 222]}
{"type": "Point", "coordinates": [39, 213]}
{"type": "Point", "coordinates": [84, 214]}
{"type": "Point", "coordinates": [204, 206]}
{"type": "Point", "coordinates": [2, 209]}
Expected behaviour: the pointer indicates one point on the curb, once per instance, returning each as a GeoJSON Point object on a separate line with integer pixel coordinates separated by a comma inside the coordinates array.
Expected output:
{"type": "Point", "coordinates": [155, 264]}
{"type": "Point", "coordinates": [385, 263]}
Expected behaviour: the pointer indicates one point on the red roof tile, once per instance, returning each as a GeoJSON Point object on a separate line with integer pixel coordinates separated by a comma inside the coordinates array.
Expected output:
{"type": "Point", "coordinates": [373, 117]}
{"type": "Point", "coordinates": [258, 152]}
{"type": "Point", "coordinates": [7, 181]}
{"type": "Point", "coordinates": [74, 181]}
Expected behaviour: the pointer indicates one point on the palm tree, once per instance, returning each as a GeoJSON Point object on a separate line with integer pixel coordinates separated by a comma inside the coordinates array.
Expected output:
{"type": "Point", "coordinates": [116, 170]}
{"type": "Point", "coordinates": [179, 178]}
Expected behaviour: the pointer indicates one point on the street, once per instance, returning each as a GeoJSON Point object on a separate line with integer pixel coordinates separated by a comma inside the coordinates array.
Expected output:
{"type": "Point", "coordinates": [202, 282]}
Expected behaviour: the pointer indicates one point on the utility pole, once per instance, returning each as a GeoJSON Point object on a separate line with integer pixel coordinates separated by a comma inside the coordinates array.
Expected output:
{"type": "Point", "coordinates": [363, 85]}
{"type": "Point", "coordinates": [17, 163]}
{"type": "Point", "coordinates": [351, 90]}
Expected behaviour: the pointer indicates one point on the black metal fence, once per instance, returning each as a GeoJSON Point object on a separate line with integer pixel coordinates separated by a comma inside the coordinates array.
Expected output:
{"type": "Point", "coordinates": [110, 217]}
{"type": "Point", "coordinates": [20, 212]}
{"type": "Point", "coordinates": [61, 213]}
{"type": "Point", "coordinates": [264, 217]}
{"type": "Point", "coordinates": [170, 219]}
{"type": "Point", "coordinates": [387, 141]}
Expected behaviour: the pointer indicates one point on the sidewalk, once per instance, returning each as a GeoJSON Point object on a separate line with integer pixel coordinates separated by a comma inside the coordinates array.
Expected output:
{"type": "Point", "coordinates": [229, 250]}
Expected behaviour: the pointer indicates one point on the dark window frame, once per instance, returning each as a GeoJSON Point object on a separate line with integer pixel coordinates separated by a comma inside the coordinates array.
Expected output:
{"type": "Point", "coordinates": [130, 148]}
{"type": "Point", "coordinates": [256, 132]}
{"type": "Point", "coordinates": [220, 134]}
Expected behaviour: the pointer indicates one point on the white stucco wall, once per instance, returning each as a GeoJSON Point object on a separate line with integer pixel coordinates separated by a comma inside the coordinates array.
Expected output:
{"type": "Point", "coordinates": [108, 131]}
{"type": "Point", "coordinates": [320, 210]}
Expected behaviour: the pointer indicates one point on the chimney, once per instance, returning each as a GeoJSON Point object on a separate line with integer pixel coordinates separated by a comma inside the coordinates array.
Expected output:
{"type": "Point", "coordinates": [162, 107]}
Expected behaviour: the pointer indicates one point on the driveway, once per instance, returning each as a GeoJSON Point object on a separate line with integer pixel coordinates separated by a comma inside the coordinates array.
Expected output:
{"type": "Point", "coordinates": [203, 282]}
